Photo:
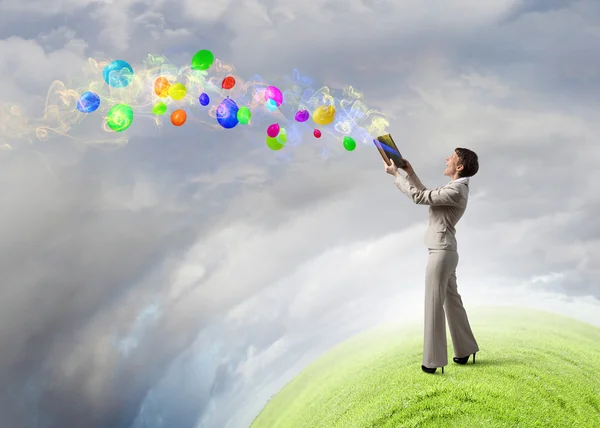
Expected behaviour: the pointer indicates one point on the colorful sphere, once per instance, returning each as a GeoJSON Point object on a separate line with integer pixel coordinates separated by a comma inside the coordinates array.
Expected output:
{"type": "Point", "coordinates": [202, 60]}
{"type": "Point", "coordinates": [273, 93]}
{"type": "Point", "coordinates": [282, 137]}
{"type": "Point", "coordinates": [317, 133]}
{"type": "Point", "coordinates": [227, 113]}
{"type": "Point", "coordinates": [159, 108]}
{"type": "Point", "coordinates": [204, 99]}
{"type": "Point", "coordinates": [228, 82]}
{"type": "Point", "coordinates": [324, 115]}
{"type": "Point", "coordinates": [178, 117]}
{"type": "Point", "coordinates": [88, 102]}
{"type": "Point", "coordinates": [273, 130]}
{"type": "Point", "coordinates": [244, 115]}
{"type": "Point", "coordinates": [349, 143]}
{"type": "Point", "coordinates": [273, 144]}
{"type": "Point", "coordinates": [119, 117]}
{"type": "Point", "coordinates": [161, 87]}
{"type": "Point", "coordinates": [118, 74]}
{"type": "Point", "coordinates": [271, 105]}
{"type": "Point", "coordinates": [177, 91]}
{"type": "Point", "coordinates": [302, 115]}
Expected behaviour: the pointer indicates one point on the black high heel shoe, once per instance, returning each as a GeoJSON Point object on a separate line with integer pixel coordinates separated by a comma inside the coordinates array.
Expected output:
{"type": "Point", "coordinates": [428, 370]}
{"type": "Point", "coordinates": [463, 360]}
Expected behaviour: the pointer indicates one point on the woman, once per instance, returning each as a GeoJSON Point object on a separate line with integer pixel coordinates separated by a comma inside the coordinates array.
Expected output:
{"type": "Point", "coordinates": [447, 205]}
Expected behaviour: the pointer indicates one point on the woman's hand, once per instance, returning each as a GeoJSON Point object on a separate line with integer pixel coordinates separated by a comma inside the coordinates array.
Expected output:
{"type": "Point", "coordinates": [408, 167]}
{"type": "Point", "coordinates": [391, 169]}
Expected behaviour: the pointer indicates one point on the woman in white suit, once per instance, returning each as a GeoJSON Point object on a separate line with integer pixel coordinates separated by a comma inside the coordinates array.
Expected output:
{"type": "Point", "coordinates": [447, 205]}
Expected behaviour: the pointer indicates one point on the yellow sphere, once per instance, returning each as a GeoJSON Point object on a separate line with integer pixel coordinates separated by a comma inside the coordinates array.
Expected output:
{"type": "Point", "coordinates": [177, 91]}
{"type": "Point", "coordinates": [324, 115]}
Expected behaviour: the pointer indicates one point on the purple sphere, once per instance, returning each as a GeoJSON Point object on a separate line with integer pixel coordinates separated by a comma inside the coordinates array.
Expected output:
{"type": "Point", "coordinates": [302, 116]}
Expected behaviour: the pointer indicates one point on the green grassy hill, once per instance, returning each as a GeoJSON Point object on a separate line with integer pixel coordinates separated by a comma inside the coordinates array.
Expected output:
{"type": "Point", "coordinates": [534, 369]}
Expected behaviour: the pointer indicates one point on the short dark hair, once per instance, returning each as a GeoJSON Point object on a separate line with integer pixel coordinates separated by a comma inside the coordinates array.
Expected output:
{"type": "Point", "coordinates": [468, 159]}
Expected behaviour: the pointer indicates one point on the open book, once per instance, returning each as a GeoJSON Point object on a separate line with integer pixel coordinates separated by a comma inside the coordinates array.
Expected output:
{"type": "Point", "coordinates": [388, 150]}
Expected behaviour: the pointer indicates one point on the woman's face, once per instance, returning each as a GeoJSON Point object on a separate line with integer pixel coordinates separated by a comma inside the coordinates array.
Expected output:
{"type": "Point", "coordinates": [451, 165]}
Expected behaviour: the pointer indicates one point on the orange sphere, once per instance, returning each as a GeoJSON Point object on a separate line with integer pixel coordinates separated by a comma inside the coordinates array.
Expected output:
{"type": "Point", "coordinates": [178, 117]}
{"type": "Point", "coordinates": [161, 87]}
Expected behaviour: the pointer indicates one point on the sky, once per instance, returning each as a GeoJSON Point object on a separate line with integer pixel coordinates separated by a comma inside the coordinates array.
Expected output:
{"type": "Point", "coordinates": [182, 276]}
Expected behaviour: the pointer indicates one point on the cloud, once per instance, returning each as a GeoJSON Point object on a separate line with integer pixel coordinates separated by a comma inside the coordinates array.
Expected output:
{"type": "Point", "coordinates": [279, 331]}
{"type": "Point", "coordinates": [185, 276]}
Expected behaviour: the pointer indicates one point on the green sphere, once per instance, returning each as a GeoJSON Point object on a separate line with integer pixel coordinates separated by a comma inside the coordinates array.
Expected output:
{"type": "Point", "coordinates": [273, 144]}
{"type": "Point", "coordinates": [159, 108]}
{"type": "Point", "coordinates": [349, 143]}
{"type": "Point", "coordinates": [244, 115]}
{"type": "Point", "coordinates": [202, 60]}
{"type": "Point", "coordinates": [119, 117]}
{"type": "Point", "coordinates": [546, 379]}
{"type": "Point", "coordinates": [282, 136]}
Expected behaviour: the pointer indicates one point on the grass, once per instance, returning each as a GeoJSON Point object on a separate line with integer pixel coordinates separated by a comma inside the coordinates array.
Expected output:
{"type": "Point", "coordinates": [534, 369]}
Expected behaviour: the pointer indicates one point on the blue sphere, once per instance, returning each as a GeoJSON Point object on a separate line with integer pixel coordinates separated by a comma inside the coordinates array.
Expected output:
{"type": "Point", "coordinates": [204, 99]}
{"type": "Point", "coordinates": [88, 102]}
{"type": "Point", "coordinates": [271, 105]}
{"type": "Point", "coordinates": [227, 113]}
{"type": "Point", "coordinates": [118, 74]}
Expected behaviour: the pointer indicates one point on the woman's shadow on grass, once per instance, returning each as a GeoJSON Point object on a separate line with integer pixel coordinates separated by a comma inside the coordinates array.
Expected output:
{"type": "Point", "coordinates": [504, 361]}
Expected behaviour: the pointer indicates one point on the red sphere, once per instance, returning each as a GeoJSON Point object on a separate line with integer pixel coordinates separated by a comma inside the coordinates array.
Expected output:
{"type": "Point", "coordinates": [317, 133]}
{"type": "Point", "coordinates": [228, 82]}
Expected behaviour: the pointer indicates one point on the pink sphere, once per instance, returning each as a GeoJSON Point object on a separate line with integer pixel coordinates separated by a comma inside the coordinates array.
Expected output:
{"type": "Point", "coordinates": [273, 93]}
{"type": "Point", "coordinates": [273, 130]}
{"type": "Point", "coordinates": [317, 133]}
